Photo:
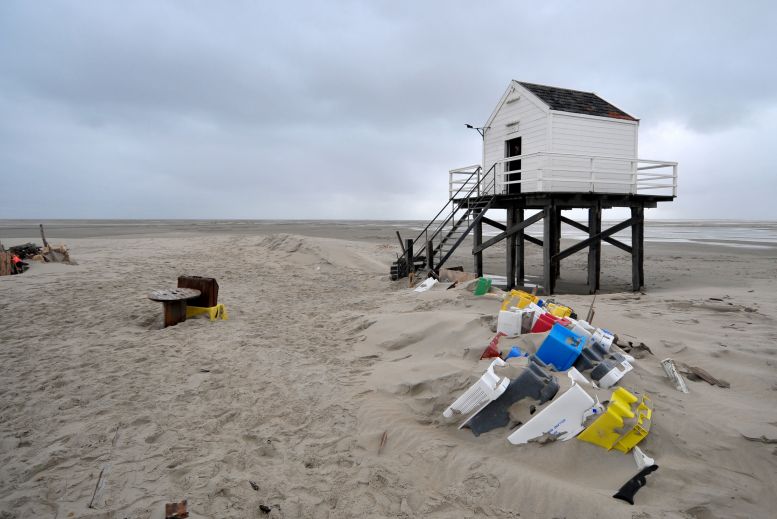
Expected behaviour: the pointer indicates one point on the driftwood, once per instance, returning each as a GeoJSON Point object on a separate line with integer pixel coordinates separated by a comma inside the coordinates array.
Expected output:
{"type": "Point", "coordinates": [697, 373]}
{"type": "Point", "coordinates": [382, 442]}
{"type": "Point", "coordinates": [43, 236]}
{"type": "Point", "coordinates": [590, 317]}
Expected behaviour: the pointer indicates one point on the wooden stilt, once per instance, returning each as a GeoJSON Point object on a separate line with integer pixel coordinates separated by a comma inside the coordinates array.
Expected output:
{"type": "Point", "coordinates": [477, 240]}
{"type": "Point", "coordinates": [549, 241]}
{"type": "Point", "coordinates": [637, 254]}
{"type": "Point", "coordinates": [520, 271]}
{"type": "Point", "coordinates": [510, 248]}
{"type": "Point", "coordinates": [557, 245]}
{"type": "Point", "coordinates": [595, 249]}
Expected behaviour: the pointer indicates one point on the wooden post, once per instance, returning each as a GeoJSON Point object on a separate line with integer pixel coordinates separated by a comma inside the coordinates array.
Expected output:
{"type": "Point", "coordinates": [477, 242]}
{"type": "Point", "coordinates": [557, 243]}
{"type": "Point", "coordinates": [430, 255]}
{"type": "Point", "coordinates": [510, 245]}
{"type": "Point", "coordinates": [520, 271]}
{"type": "Point", "coordinates": [409, 256]}
{"type": "Point", "coordinates": [637, 274]}
{"type": "Point", "coordinates": [595, 249]}
{"type": "Point", "coordinates": [547, 248]}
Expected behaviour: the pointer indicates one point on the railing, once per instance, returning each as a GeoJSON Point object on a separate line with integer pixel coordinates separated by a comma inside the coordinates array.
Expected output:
{"type": "Point", "coordinates": [542, 171]}
{"type": "Point", "coordinates": [464, 179]}
{"type": "Point", "coordinates": [469, 182]}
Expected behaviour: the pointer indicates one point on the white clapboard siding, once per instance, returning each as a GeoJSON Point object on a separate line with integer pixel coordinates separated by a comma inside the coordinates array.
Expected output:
{"type": "Point", "coordinates": [532, 125]}
{"type": "Point", "coordinates": [608, 146]}
{"type": "Point", "coordinates": [595, 137]}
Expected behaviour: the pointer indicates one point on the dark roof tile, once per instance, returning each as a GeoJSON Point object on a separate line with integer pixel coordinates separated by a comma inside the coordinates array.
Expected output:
{"type": "Point", "coordinates": [566, 100]}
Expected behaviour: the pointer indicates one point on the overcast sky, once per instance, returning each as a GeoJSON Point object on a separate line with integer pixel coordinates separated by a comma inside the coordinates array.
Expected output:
{"type": "Point", "coordinates": [247, 109]}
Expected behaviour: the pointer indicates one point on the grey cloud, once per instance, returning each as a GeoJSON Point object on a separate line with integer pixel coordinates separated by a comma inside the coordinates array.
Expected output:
{"type": "Point", "coordinates": [343, 109]}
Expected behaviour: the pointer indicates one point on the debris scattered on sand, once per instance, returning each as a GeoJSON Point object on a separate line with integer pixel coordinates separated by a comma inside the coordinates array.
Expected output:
{"type": "Point", "coordinates": [176, 510]}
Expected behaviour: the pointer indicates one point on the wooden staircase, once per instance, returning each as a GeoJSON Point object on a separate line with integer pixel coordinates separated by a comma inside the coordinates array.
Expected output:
{"type": "Point", "coordinates": [444, 233]}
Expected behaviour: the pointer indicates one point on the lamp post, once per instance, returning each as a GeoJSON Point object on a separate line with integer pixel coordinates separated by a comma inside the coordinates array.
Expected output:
{"type": "Point", "coordinates": [480, 129]}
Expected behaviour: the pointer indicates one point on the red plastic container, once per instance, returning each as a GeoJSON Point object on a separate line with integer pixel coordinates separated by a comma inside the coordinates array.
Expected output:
{"type": "Point", "coordinates": [544, 323]}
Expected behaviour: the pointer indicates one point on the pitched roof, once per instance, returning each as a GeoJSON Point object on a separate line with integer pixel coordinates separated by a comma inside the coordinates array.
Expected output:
{"type": "Point", "coordinates": [575, 101]}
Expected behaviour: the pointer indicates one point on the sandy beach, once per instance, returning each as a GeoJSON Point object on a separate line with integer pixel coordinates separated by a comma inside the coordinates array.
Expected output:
{"type": "Point", "coordinates": [323, 354]}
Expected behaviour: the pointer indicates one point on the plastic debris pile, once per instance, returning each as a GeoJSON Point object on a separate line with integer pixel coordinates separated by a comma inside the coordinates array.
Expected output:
{"type": "Point", "coordinates": [569, 350]}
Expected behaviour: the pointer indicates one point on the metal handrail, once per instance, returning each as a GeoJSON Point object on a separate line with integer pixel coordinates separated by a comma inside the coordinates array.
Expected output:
{"type": "Point", "coordinates": [450, 201]}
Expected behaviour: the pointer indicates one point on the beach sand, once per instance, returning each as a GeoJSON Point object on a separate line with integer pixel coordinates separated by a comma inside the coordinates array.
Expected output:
{"type": "Point", "coordinates": [322, 354]}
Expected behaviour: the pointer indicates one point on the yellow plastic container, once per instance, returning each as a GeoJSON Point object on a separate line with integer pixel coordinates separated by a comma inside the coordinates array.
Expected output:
{"type": "Point", "coordinates": [518, 298]}
{"type": "Point", "coordinates": [214, 312]}
{"type": "Point", "coordinates": [558, 310]}
{"type": "Point", "coordinates": [620, 427]}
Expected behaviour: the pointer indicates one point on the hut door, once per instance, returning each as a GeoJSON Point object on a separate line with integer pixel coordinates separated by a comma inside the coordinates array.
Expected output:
{"type": "Point", "coordinates": [513, 149]}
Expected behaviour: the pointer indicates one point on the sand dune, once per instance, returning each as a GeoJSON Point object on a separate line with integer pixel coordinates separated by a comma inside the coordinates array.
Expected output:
{"type": "Point", "coordinates": [323, 354]}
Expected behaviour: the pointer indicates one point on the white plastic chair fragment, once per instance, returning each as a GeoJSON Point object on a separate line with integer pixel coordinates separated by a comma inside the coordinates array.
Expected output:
{"type": "Point", "coordinates": [563, 418]}
{"type": "Point", "coordinates": [487, 389]}
{"type": "Point", "coordinates": [426, 285]}
{"type": "Point", "coordinates": [614, 375]}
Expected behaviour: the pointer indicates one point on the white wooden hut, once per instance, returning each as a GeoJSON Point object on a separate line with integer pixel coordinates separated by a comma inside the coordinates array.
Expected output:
{"type": "Point", "coordinates": [548, 139]}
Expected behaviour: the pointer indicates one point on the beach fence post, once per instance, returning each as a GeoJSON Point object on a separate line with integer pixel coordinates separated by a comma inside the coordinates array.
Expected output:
{"type": "Point", "coordinates": [477, 241]}
{"type": "Point", "coordinates": [409, 256]}
{"type": "Point", "coordinates": [430, 254]}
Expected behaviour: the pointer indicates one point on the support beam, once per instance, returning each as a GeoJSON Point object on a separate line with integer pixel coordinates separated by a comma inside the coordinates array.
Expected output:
{"type": "Point", "coordinates": [583, 244]}
{"type": "Point", "coordinates": [637, 255]}
{"type": "Point", "coordinates": [532, 239]}
{"type": "Point", "coordinates": [477, 241]}
{"type": "Point", "coordinates": [509, 232]}
{"type": "Point", "coordinates": [512, 219]}
{"type": "Point", "coordinates": [520, 253]}
{"type": "Point", "coordinates": [494, 223]}
{"type": "Point", "coordinates": [595, 249]}
{"type": "Point", "coordinates": [577, 225]}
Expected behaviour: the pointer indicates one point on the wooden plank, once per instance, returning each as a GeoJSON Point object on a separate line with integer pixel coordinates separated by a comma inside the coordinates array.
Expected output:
{"type": "Point", "coordinates": [584, 228]}
{"type": "Point", "coordinates": [583, 244]}
{"type": "Point", "coordinates": [402, 245]}
{"type": "Point", "coordinates": [509, 232]}
{"type": "Point", "coordinates": [208, 287]}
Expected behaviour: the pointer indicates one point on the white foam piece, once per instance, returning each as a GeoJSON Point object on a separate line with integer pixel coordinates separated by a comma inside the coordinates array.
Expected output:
{"type": "Point", "coordinates": [487, 389]}
{"type": "Point", "coordinates": [563, 418]}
